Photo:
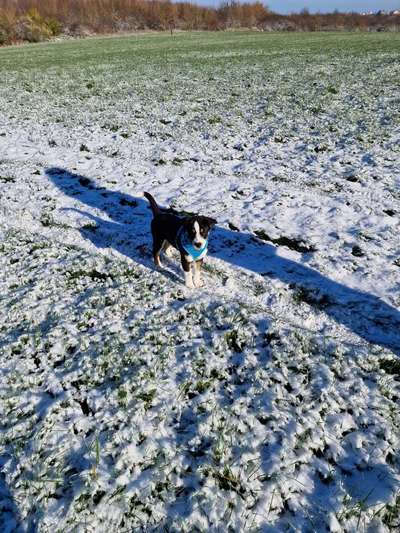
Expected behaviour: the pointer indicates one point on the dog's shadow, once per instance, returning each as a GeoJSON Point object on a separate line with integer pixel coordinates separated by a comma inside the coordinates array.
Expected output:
{"type": "Point", "coordinates": [126, 229]}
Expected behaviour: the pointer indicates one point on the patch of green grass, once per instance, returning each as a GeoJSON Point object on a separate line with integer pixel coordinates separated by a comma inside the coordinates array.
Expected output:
{"type": "Point", "coordinates": [202, 385]}
{"type": "Point", "coordinates": [92, 274]}
{"type": "Point", "coordinates": [303, 438]}
{"type": "Point", "coordinates": [214, 120]}
{"type": "Point", "coordinates": [234, 341]}
{"type": "Point", "coordinates": [227, 480]}
{"type": "Point", "coordinates": [290, 242]}
{"type": "Point", "coordinates": [147, 397]}
{"type": "Point", "coordinates": [390, 366]}
{"type": "Point", "coordinates": [7, 179]}
{"type": "Point", "coordinates": [139, 48]}
{"type": "Point", "coordinates": [391, 515]}
{"type": "Point", "coordinates": [310, 296]}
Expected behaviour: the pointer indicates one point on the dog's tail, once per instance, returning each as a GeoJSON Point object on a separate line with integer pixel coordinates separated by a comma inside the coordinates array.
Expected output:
{"type": "Point", "coordinates": [153, 204]}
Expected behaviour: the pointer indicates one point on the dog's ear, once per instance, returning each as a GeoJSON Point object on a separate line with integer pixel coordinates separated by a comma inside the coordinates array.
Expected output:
{"type": "Point", "coordinates": [188, 221]}
{"type": "Point", "coordinates": [210, 221]}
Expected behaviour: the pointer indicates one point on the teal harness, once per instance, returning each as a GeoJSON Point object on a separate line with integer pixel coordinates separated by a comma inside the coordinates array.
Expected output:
{"type": "Point", "coordinates": [183, 242]}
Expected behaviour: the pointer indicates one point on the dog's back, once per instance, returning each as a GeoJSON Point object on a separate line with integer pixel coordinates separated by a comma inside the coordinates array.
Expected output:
{"type": "Point", "coordinates": [164, 225]}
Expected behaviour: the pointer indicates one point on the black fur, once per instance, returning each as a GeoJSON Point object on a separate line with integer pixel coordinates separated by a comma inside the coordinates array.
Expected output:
{"type": "Point", "coordinates": [165, 227]}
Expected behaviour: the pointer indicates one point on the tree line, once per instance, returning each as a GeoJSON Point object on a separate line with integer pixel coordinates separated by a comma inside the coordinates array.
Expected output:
{"type": "Point", "coordinates": [38, 20]}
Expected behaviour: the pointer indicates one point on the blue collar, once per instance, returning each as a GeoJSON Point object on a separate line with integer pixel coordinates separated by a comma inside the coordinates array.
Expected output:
{"type": "Point", "coordinates": [183, 241]}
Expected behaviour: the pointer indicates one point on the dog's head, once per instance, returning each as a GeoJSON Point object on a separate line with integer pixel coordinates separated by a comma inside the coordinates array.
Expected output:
{"type": "Point", "coordinates": [197, 229]}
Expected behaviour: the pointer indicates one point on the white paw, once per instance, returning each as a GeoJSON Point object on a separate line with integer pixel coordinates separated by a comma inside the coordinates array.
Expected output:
{"type": "Point", "coordinates": [189, 280]}
{"type": "Point", "coordinates": [198, 283]}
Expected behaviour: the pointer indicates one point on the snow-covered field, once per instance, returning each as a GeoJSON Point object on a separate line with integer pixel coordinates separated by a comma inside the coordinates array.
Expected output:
{"type": "Point", "coordinates": [266, 401]}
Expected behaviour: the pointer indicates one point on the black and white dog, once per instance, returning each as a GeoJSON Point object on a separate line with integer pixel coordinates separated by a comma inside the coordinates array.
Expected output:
{"type": "Point", "coordinates": [189, 235]}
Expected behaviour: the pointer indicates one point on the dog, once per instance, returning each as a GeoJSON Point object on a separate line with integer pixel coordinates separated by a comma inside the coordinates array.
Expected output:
{"type": "Point", "coordinates": [189, 235]}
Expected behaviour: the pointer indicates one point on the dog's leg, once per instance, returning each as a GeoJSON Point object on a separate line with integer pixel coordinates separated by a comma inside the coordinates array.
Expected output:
{"type": "Point", "coordinates": [167, 248]}
{"type": "Point", "coordinates": [157, 246]}
{"type": "Point", "coordinates": [187, 268]}
{"type": "Point", "coordinates": [197, 273]}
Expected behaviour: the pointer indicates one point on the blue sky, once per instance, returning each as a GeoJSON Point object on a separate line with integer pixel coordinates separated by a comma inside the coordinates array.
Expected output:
{"type": "Point", "coordinates": [287, 6]}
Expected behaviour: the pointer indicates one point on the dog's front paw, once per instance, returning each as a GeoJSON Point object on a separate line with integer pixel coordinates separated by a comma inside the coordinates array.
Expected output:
{"type": "Point", "coordinates": [198, 283]}
{"type": "Point", "coordinates": [189, 280]}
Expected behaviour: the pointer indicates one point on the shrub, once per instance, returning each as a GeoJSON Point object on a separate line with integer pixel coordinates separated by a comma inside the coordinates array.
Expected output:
{"type": "Point", "coordinates": [6, 28]}
{"type": "Point", "coordinates": [32, 27]}
{"type": "Point", "coordinates": [54, 26]}
{"type": "Point", "coordinates": [5, 34]}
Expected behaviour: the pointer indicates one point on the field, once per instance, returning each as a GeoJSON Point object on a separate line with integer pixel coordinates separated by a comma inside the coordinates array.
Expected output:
{"type": "Point", "coordinates": [266, 401]}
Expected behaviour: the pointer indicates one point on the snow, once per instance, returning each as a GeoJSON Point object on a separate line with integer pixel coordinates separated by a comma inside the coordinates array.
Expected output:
{"type": "Point", "coordinates": [265, 400]}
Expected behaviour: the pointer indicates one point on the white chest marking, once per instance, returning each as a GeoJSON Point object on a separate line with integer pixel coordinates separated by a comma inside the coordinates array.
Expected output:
{"type": "Point", "coordinates": [198, 238]}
